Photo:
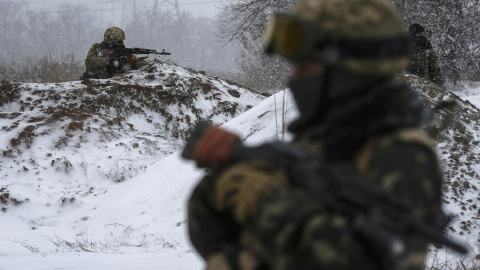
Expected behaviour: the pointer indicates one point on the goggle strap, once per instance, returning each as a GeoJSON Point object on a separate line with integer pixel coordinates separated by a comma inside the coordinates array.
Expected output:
{"type": "Point", "coordinates": [383, 48]}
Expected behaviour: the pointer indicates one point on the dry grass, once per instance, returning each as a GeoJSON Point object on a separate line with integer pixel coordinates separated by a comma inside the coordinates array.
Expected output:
{"type": "Point", "coordinates": [48, 69]}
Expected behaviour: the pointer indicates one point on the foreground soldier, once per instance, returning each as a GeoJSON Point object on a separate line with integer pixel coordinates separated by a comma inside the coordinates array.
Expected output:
{"type": "Point", "coordinates": [353, 115]}
{"type": "Point", "coordinates": [105, 60]}
{"type": "Point", "coordinates": [424, 62]}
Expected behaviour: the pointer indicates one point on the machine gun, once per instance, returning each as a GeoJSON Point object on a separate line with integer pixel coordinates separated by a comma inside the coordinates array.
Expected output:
{"type": "Point", "coordinates": [380, 218]}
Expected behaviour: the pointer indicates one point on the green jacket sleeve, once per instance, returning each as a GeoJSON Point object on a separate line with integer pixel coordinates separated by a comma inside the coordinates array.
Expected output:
{"type": "Point", "coordinates": [94, 62]}
{"type": "Point", "coordinates": [210, 231]}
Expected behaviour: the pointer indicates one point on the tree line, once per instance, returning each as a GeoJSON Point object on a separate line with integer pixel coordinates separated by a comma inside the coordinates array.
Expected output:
{"type": "Point", "coordinates": [450, 25]}
{"type": "Point", "coordinates": [41, 46]}
{"type": "Point", "coordinates": [50, 47]}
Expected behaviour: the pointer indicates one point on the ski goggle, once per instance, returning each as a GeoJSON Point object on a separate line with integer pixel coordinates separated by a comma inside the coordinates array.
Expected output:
{"type": "Point", "coordinates": [297, 40]}
{"type": "Point", "coordinates": [289, 36]}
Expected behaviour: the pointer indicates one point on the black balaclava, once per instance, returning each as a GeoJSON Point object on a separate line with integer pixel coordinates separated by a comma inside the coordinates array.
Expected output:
{"type": "Point", "coordinates": [342, 109]}
{"type": "Point", "coordinates": [310, 97]}
{"type": "Point", "coordinates": [416, 28]}
{"type": "Point", "coordinates": [419, 42]}
{"type": "Point", "coordinates": [316, 95]}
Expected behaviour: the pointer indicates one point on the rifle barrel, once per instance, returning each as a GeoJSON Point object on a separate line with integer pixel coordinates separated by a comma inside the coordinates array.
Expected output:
{"type": "Point", "coordinates": [144, 51]}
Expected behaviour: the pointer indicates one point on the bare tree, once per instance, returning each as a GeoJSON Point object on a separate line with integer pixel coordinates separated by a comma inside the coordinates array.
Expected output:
{"type": "Point", "coordinates": [248, 16]}
{"type": "Point", "coordinates": [452, 27]}
{"type": "Point", "coordinates": [244, 21]}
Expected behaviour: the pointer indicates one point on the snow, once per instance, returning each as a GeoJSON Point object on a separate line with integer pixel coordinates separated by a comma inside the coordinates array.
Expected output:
{"type": "Point", "coordinates": [458, 148]}
{"type": "Point", "coordinates": [78, 220]}
{"type": "Point", "coordinates": [469, 92]}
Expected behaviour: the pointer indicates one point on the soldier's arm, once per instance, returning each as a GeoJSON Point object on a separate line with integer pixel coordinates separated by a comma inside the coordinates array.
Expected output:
{"type": "Point", "coordinates": [210, 231]}
{"type": "Point", "coordinates": [434, 69]}
{"type": "Point", "coordinates": [411, 171]}
{"type": "Point", "coordinates": [94, 62]}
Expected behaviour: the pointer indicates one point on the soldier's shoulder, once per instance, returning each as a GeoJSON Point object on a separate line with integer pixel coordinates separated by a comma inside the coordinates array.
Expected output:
{"type": "Point", "coordinates": [409, 141]}
{"type": "Point", "coordinates": [407, 146]}
{"type": "Point", "coordinates": [407, 135]}
{"type": "Point", "coordinates": [93, 47]}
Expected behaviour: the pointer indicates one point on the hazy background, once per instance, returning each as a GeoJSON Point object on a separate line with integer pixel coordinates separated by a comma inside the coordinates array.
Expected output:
{"type": "Point", "coordinates": [36, 33]}
{"type": "Point", "coordinates": [111, 11]}
{"type": "Point", "coordinates": [47, 40]}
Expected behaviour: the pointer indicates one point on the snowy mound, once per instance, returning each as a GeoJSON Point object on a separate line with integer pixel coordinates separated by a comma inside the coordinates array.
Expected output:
{"type": "Point", "coordinates": [62, 143]}
{"type": "Point", "coordinates": [107, 129]}
{"type": "Point", "coordinates": [135, 224]}
{"type": "Point", "coordinates": [456, 130]}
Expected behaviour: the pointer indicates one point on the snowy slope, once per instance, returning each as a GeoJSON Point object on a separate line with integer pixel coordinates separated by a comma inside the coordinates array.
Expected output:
{"type": "Point", "coordinates": [456, 130]}
{"type": "Point", "coordinates": [143, 218]}
{"type": "Point", "coordinates": [83, 137]}
{"type": "Point", "coordinates": [70, 148]}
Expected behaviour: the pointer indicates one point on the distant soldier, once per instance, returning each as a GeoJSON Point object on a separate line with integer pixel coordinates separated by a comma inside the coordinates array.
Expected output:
{"type": "Point", "coordinates": [106, 59]}
{"type": "Point", "coordinates": [424, 62]}
{"type": "Point", "coordinates": [354, 119]}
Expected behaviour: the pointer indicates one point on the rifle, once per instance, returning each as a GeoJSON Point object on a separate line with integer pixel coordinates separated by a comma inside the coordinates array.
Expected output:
{"type": "Point", "coordinates": [142, 51]}
{"type": "Point", "coordinates": [380, 218]}
{"type": "Point", "coordinates": [121, 56]}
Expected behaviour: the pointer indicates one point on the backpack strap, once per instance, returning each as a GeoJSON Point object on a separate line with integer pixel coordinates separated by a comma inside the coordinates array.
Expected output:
{"type": "Point", "coordinates": [375, 142]}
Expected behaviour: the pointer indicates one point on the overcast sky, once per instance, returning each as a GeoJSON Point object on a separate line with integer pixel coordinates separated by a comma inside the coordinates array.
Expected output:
{"type": "Point", "coordinates": [111, 10]}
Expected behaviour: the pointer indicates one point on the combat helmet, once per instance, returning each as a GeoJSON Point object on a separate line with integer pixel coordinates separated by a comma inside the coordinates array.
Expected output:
{"type": "Point", "coordinates": [114, 35]}
{"type": "Point", "coordinates": [362, 36]}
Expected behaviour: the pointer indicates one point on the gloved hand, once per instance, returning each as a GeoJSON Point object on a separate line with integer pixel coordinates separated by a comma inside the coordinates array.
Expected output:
{"type": "Point", "coordinates": [226, 198]}
{"type": "Point", "coordinates": [211, 230]}
{"type": "Point", "coordinates": [215, 147]}
{"type": "Point", "coordinates": [239, 188]}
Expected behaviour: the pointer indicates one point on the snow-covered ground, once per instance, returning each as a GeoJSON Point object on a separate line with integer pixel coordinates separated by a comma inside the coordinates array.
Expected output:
{"type": "Point", "coordinates": [458, 141]}
{"type": "Point", "coordinates": [139, 223]}
{"type": "Point", "coordinates": [469, 91]}
{"type": "Point", "coordinates": [83, 221]}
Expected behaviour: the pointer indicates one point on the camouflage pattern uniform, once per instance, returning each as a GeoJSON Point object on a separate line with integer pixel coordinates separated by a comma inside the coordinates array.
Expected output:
{"type": "Point", "coordinates": [373, 129]}
{"type": "Point", "coordinates": [424, 64]}
{"type": "Point", "coordinates": [424, 61]}
{"type": "Point", "coordinates": [98, 63]}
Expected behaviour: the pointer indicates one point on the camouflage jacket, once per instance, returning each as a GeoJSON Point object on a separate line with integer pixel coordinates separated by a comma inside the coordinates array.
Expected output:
{"type": "Point", "coordinates": [424, 62]}
{"type": "Point", "coordinates": [291, 231]}
{"type": "Point", "coordinates": [99, 66]}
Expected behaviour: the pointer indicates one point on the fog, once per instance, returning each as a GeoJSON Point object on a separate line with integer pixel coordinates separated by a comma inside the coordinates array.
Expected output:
{"type": "Point", "coordinates": [114, 9]}
{"type": "Point", "coordinates": [63, 31]}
